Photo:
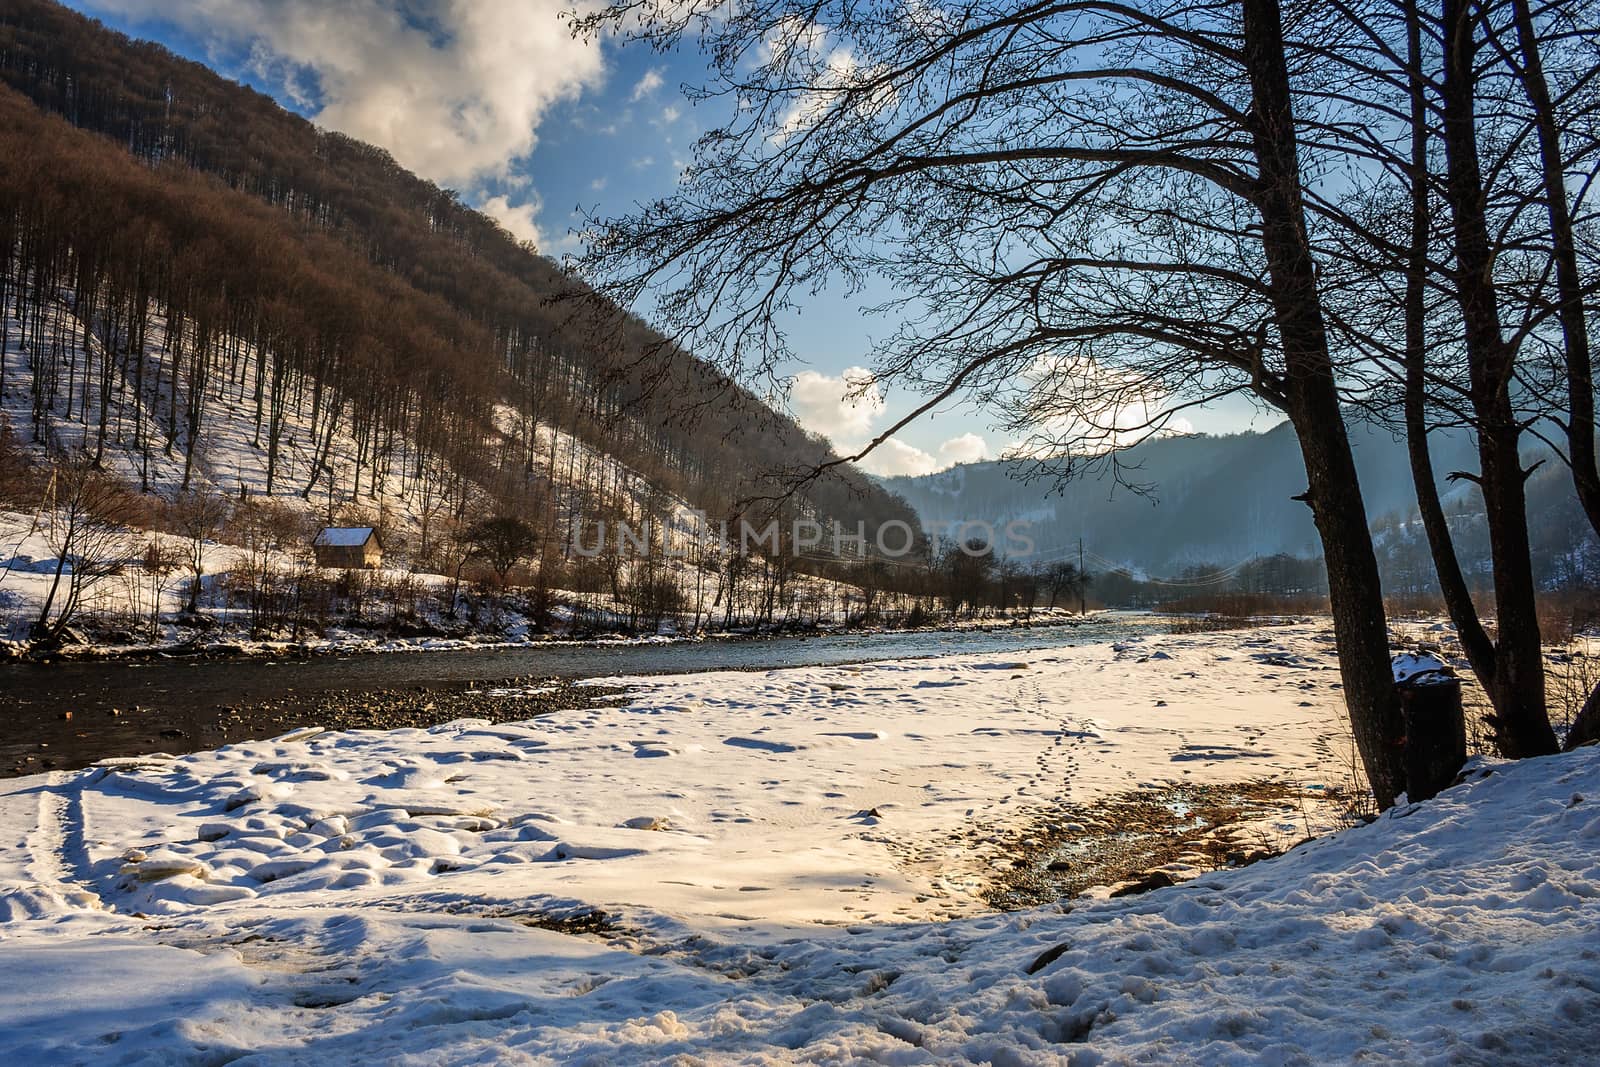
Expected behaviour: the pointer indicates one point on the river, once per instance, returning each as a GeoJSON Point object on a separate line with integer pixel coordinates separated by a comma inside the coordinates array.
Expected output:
{"type": "Point", "coordinates": [71, 713]}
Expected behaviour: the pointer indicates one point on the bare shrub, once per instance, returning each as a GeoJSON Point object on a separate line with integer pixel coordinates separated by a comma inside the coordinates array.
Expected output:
{"type": "Point", "coordinates": [1210, 612]}
{"type": "Point", "coordinates": [1573, 675]}
{"type": "Point", "coordinates": [85, 522]}
{"type": "Point", "coordinates": [198, 516]}
{"type": "Point", "coordinates": [269, 534]}
{"type": "Point", "coordinates": [1245, 605]}
{"type": "Point", "coordinates": [1414, 606]}
{"type": "Point", "coordinates": [22, 481]}
{"type": "Point", "coordinates": [1566, 613]}
{"type": "Point", "coordinates": [146, 582]}
{"type": "Point", "coordinates": [1354, 803]}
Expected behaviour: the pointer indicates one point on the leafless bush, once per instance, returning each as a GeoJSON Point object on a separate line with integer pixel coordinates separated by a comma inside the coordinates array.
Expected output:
{"type": "Point", "coordinates": [1572, 676]}
{"type": "Point", "coordinates": [85, 522]}
{"type": "Point", "coordinates": [198, 516]}
{"type": "Point", "coordinates": [1205, 624]}
{"type": "Point", "coordinates": [22, 481]}
{"type": "Point", "coordinates": [146, 582]}
{"type": "Point", "coordinates": [1566, 613]}
{"type": "Point", "coordinates": [1244, 605]}
{"type": "Point", "coordinates": [1414, 606]}
{"type": "Point", "coordinates": [263, 580]}
{"type": "Point", "coordinates": [1477, 711]}
{"type": "Point", "coordinates": [404, 593]}
{"type": "Point", "coordinates": [1354, 803]}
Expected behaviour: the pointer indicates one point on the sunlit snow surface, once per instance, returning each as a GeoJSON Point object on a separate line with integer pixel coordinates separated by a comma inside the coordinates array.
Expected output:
{"type": "Point", "coordinates": [791, 860]}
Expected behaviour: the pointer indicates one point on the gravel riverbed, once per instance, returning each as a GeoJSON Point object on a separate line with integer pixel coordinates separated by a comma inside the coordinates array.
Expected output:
{"type": "Point", "coordinates": [72, 739]}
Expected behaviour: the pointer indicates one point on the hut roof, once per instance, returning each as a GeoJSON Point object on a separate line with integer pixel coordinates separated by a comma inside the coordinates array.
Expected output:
{"type": "Point", "coordinates": [344, 536]}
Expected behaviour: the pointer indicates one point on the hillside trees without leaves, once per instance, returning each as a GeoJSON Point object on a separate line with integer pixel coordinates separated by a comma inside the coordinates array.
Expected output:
{"type": "Point", "coordinates": [283, 262]}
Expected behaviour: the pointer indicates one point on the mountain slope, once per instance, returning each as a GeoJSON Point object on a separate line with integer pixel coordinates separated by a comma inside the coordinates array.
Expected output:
{"type": "Point", "coordinates": [1222, 500]}
{"type": "Point", "coordinates": [407, 322]}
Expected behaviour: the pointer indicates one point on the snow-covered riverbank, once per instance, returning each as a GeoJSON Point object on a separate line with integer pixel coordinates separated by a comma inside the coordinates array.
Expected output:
{"type": "Point", "coordinates": [337, 641]}
{"type": "Point", "coordinates": [140, 613]}
{"type": "Point", "coordinates": [790, 865]}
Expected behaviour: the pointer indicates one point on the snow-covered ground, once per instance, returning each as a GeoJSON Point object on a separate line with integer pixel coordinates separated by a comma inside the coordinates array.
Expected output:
{"type": "Point", "coordinates": [791, 862]}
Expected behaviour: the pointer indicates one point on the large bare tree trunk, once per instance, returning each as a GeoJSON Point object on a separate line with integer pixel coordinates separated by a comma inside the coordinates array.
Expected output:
{"type": "Point", "coordinates": [1580, 415]}
{"type": "Point", "coordinates": [1458, 600]}
{"type": "Point", "coordinates": [1313, 406]}
{"type": "Point", "coordinates": [1569, 281]}
{"type": "Point", "coordinates": [1521, 721]}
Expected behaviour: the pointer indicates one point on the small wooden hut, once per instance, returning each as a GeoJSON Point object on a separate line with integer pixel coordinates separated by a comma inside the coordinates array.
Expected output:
{"type": "Point", "coordinates": [348, 548]}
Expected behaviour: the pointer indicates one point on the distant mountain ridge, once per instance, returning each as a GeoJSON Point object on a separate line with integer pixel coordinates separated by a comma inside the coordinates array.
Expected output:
{"type": "Point", "coordinates": [1219, 500]}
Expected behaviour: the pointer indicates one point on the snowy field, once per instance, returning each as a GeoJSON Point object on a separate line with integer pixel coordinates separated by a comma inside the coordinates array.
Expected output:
{"type": "Point", "coordinates": [791, 864]}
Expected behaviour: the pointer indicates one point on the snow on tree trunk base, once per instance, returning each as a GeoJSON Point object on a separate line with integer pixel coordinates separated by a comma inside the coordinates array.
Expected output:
{"type": "Point", "coordinates": [1435, 724]}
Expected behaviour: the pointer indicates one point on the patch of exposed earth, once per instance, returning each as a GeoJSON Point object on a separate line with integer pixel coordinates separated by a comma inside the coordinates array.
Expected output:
{"type": "Point", "coordinates": [1148, 838]}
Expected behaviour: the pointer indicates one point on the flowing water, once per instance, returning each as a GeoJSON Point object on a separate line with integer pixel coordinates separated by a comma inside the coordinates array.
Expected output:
{"type": "Point", "coordinates": [71, 713]}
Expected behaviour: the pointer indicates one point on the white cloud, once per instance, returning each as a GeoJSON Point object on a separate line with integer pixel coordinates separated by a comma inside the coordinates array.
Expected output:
{"type": "Point", "coordinates": [1095, 407]}
{"type": "Point", "coordinates": [455, 89]}
{"type": "Point", "coordinates": [820, 71]}
{"type": "Point", "coordinates": [846, 408]}
{"type": "Point", "coordinates": [834, 406]}
{"type": "Point", "coordinates": [669, 115]}
{"type": "Point", "coordinates": [521, 220]}
{"type": "Point", "coordinates": [895, 457]}
{"type": "Point", "coordinates": [647, 84]}
{"type": "Point", "coordinates": [967, 448]}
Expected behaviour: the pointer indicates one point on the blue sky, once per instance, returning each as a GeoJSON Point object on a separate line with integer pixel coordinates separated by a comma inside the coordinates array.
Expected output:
{"type": "Point", "coordinates": [495, 99]}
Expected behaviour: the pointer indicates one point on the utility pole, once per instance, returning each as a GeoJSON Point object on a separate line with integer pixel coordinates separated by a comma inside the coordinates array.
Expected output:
{"type": "Point", "coordinates": [1082, 580]}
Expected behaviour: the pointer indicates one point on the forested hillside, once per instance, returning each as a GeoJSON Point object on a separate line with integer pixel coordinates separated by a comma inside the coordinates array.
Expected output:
{"type": "Point", "coordinates": [205, 286]}
{"type": "Point", "coordinates": [1206, 503]}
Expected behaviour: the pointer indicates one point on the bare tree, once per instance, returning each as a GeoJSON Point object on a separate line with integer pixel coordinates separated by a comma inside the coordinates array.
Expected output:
{"type": "Point", "coordinates": [1562, 103]}
{"type": "Point", "coordinates": [1062, 579]}
{"type": "Point", "coordinates": [503, 541]}
{"type": "Point", "coordinates": [1523, 724]}
{"type": "Point", "coordinates": [147, 584]}
{"type": "Point", "coordinates": [85, 525]}
{"type": "Point", "coordinates": [1556, 161]}
{"type": "Point", "coordinates": [1450, 109]}
{"type": "Point", "coordinates": [1475, 640]}
{"type": "Point", "coordinates": [1090, 213]}
{"type": "Point", "coordinates": [454, 551]}
{"type": "Point", "coordinates": [1444, 350]}
{"type": "Point", "coordinates": [432, 504]}
{"type": "Point", "coordinates": [199, 515]}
